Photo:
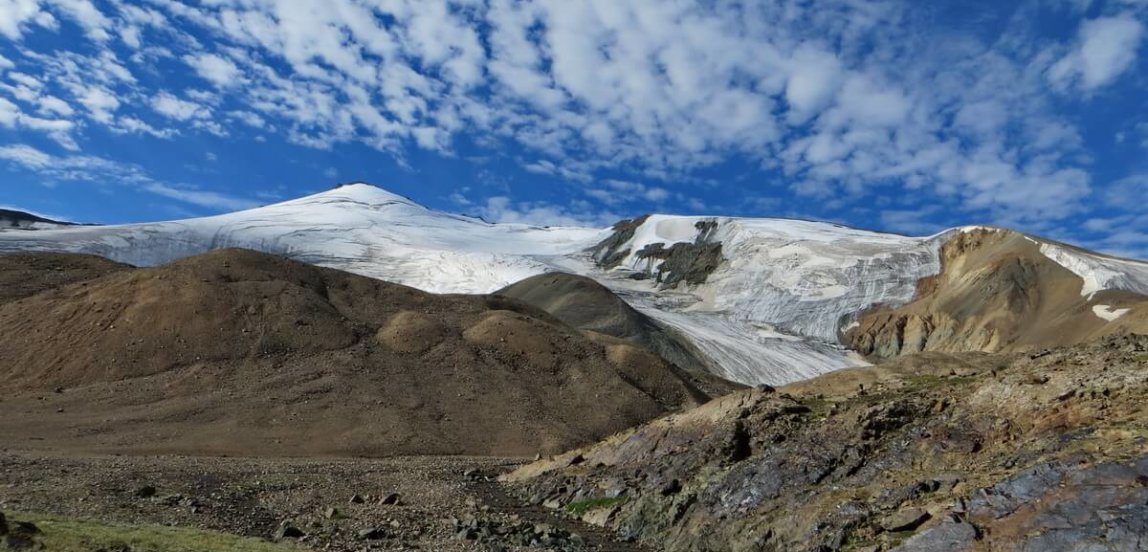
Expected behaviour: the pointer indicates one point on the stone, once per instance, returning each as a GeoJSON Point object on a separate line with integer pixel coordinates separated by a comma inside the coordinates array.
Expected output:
{"type": "Point", "coordinates": [146, 491]}
{"type": "Point", "coordinates": [950, 536]}
{"type": "Point", "coordinates": [288, 531]}
{"type": "Point", "coordinates": [905, 520]}
{"type": "Point", "coordinates": [391, 499]}
{"type": "Point", "coordinates": [371, 533]}
{"type": "Point", "coordinates": [331, 513]}
{"type": "Point", "coordinates": [357, 499]}
{"type": "Point", "coordinates": [3, 525]}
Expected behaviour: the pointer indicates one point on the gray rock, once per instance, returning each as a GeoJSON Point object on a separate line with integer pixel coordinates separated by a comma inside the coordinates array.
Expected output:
{"type": "Point", "coordinates": [950, 536]}
{"type": "Point", "coordinates": [905, 520]}
{"type": "Point", "coordinates": [288, 531]}
{"type": "Point", "coordinates": [371, 533]}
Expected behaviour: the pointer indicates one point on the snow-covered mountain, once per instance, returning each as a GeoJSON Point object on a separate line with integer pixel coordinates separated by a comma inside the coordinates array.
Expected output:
{"type": "Point", "coordinates": [19, 220]}
{"type": "Point", "coordinates": [765, 300]}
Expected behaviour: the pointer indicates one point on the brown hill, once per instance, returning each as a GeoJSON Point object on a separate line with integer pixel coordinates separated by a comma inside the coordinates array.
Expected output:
{"type": "Point", "coordinates": [24, 274]}
{"type": "Point", "coordinates": [928, 452]}
{"type": "Point", "coordinates": [996, 292]}
{"type": "Point", "coordinates": [585, 304]}
{"type": "Point", "coordinates": [239, 352]}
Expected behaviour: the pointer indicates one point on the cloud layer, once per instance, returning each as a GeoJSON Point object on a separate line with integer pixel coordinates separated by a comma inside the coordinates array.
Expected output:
{"type": "Point", "coordinates": [837, 101]}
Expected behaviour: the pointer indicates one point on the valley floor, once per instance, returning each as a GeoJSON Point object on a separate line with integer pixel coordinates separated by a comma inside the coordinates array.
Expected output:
{"type": "Point", "coordinates": [410, 503]}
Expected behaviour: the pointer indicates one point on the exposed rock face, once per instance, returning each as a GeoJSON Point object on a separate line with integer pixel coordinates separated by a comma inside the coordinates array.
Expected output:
{"type": "Point", "coordinates": [1052, 506]}
{"type": "Point", "coordinates": [929, 452]}
{"type": "Point", "coordinates": [238, 352]}
{"type": "Point", "coordinates": [610, 252]}
{"type": "Point", "coordinates": [691, 263]}
{"type": "Point", "coordinates": [687, 262]}
{"type": "Point", "coordinates": [996, 292]}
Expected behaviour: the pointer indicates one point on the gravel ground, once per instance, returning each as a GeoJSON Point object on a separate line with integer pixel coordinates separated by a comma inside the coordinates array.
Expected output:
{"type": "Point", "coordinates": [410, 503]}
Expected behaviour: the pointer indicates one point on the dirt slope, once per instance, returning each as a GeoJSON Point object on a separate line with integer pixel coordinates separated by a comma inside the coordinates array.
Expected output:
{"type": "Point", "coordinates": [24, 274]}
{"type": "Point", "coordinates": [996, 292]}
{"type": "Point", "coordinates": [237, 352]}
{"type": "Point", "coordinates": [584, 303]}
{"type": "Point", "coordinates": [929, 452]}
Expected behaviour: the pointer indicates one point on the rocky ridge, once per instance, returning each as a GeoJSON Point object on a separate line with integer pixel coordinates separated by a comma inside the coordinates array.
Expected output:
{"type": "Point", "coordinates": [929, 452]}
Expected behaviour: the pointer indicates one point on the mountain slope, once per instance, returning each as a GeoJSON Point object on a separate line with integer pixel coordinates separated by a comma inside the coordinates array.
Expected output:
{"type": "Point", "coordinates": [25, 274]}
{"type": "Point", "coordinates": [19, 220]}
{"type": "Point", "coordinates": [238, 352]}
{"type": "Point", "coordinates": [760, 300]}
{"type": "Point", "coordinates": [927, 453]}
{"type": "Point", "coordinates": [585, 304]}
{"type": "Point", "coordinates": [998, 291]}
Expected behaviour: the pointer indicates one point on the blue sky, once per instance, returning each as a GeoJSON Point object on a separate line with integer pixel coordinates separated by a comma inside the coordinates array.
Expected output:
{"type": "Point", "coordinates": [904, 116]}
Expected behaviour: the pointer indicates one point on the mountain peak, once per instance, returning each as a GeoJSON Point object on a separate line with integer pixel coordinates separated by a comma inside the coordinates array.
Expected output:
{"type": "Point", "coordinates": [362, 192]}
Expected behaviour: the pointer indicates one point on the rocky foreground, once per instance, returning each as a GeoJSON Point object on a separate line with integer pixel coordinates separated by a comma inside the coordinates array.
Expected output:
{"type": "Point", "coordinates": [1038, 451]}
{"type": "Point", "coordinates": [173, 503]}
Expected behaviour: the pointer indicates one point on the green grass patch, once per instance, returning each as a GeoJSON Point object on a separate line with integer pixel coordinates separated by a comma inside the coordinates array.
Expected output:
{"type": "Point", "coordinates": [928, 381]}
{"type": "Point", "coordinates": [580, 507]}
{"type": "Point", "coordinates": [60, 534]}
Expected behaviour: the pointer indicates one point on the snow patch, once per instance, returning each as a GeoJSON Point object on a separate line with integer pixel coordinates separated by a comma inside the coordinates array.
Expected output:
{"type": "Point", "coordinates": [1108, 313]}
{"type": "Point", "coordinates": [1099, 273]}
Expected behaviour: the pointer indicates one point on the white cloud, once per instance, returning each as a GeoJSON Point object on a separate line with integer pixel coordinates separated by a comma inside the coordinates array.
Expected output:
{"type": "Point", "coordinates": [55, 106]}
{"type": "Point", "coordinates": [1107, 48]}
{"type": "Point", "coordinates": [100, 102]}
{"type": "Point", "coordinates": [615, 192]}
{"type": "Point", "coordinates": [815, 78]}
{"type": "Point", "coordinates": [503, 209]}
{"type": "Point", "coordinates": [25, 156]}
{"type": "Point", "coordinates": [198, 197]}
{"type": "Point", "coordinates": [1128, 193]}
{"type": "Point", "coordinates": [218, 70]}
{"type": "Point", "coordinates": [11, 116]}
{"type": "Point", "coordinates": [15, 14]}
{"type": "Point", "coordinates": [169, 105]}
{"type": "Point", "coordinates": [87, 15]}
{"type": "Point", "coordinates": [87, 168]}
{"type": "Point", "coordinates": [837, 97]}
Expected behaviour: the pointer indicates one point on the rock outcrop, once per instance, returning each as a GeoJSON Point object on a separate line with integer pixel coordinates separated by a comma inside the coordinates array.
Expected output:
{"type": "Point", "coordinates": [689, 262]}
{"type": "Point", "coordinates": [928, 452]}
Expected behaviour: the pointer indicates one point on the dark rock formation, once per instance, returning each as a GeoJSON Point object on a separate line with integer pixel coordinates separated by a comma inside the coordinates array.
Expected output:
{"type": "Point", "coordinates": [681, 262]}
{"type": "Point", "coordinates": [609, 253]}
{"type": "Point", "coordinates": [937, 453]}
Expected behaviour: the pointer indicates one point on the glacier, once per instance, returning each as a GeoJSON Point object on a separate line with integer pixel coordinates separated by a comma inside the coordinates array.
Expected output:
{"type": "Point", "coordinates": [770, 313]}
